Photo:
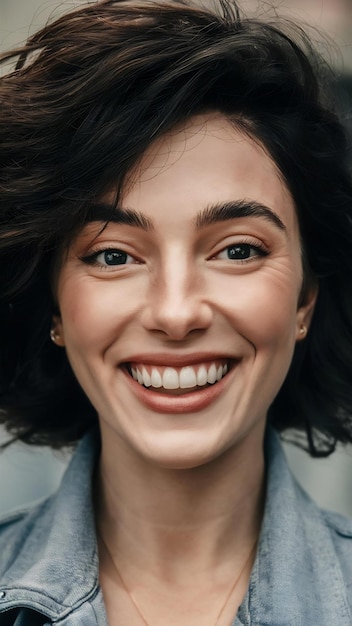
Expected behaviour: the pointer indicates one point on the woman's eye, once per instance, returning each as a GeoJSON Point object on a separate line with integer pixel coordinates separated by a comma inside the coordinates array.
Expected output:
{"type": "Point", "coordinates": [240, 252]}
{"type": "Point", "coordinates": [109, 258]}
{"type": "Point", "coordinates": [113, 257]}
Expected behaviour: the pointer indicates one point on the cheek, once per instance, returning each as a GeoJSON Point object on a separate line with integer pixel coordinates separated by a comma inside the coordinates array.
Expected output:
{"type": "Point", "coordinates": [95, 311]}
{"type": "Point", "coordinates": [262, 306]}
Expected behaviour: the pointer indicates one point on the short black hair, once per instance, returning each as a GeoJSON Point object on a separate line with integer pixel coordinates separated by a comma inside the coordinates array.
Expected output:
{"type": "Point", "coordinates": [88, 95]}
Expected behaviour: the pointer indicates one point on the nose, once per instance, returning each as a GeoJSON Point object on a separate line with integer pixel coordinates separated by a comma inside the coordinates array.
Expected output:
{"type": "Point", "coordinates": [177, 303]}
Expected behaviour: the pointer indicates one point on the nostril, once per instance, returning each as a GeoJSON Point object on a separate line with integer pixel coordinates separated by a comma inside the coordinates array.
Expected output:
{"type": "Point", "coordinates": [177, 319]}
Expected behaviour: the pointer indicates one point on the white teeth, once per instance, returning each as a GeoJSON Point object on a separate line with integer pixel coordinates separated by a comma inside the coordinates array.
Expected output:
{"type": "Point", "coordinates": [170, 378]}
{"type": "Point", "coordinates": [212, 374]}
{"type": "Point", "coordinates": [188, 378]}
{"type": "Point", "coordinates": [202, 376]}
{"type": "Point", "coordinates": [155, 379]}
{"type": "Point", "coordinates": [147, 381]}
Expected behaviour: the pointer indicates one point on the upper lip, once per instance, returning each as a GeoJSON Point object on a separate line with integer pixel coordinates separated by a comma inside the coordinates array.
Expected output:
{"type": "Point", "coordinates": [177, 360]}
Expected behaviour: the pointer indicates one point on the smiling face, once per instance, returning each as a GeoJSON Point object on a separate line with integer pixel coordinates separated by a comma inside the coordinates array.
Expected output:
{"type": "Point", "coordinates": [180, 318]}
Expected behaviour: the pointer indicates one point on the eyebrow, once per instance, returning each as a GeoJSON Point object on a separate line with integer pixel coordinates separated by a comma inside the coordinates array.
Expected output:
{"type": "Point", "coordinates": [214, 213]}
{"type": "Point", "coordinates": [237, 209]}
{"type": "Point", "coordinates": [102, 212]}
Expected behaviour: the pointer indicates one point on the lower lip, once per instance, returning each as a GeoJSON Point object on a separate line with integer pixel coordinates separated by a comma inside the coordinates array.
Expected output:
{"type": "Point", "coordinates": [187, 403]}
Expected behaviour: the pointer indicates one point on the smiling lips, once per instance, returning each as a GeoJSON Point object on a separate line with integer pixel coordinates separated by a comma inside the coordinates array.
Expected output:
{"type": "Point", "coordinates": [179, 378]}
{"type": "Point", "coordinates": [175, 386]}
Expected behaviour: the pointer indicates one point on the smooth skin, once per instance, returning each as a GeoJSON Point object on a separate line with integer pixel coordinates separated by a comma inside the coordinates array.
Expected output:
{"type": "Point", "coordinates": [180, 484]}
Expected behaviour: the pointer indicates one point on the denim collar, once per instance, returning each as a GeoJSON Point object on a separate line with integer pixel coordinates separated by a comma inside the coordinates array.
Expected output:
{"type": "Point", "coordinates": [55, 557]}
{"type": "Point", "coordinates": [296, 579]}
{"type": "Point", "coordinates": [49, 559]}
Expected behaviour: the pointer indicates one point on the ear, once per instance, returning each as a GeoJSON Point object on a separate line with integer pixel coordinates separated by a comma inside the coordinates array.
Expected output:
{"type": "Point", "coordinates": [305, 313]}
{"type": "Point", "coordinates": [57, 332]}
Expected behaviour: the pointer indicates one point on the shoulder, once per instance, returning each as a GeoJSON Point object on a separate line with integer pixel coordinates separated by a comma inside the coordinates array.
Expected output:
{"type": "Point", "coordinates": [12, 521]}
{"type": "Point", "coordinates": [340, 528]}
{"type": "Point", "coordinates": [17, 529]}
{"type": "Point", "coordinates": [336, 560]}
{"type": "Point", "coordinates": [340, 525]}
{"type": "Point", "coordinates": [323, 527]}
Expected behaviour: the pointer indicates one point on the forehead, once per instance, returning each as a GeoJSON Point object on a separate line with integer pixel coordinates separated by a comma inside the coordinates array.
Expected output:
{"type": "Point", "coordinates": [204, 161]}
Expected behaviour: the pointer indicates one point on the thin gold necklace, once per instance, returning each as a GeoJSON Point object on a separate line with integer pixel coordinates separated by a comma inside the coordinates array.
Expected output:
{"type": "Point", "coordinates": [138, 608]}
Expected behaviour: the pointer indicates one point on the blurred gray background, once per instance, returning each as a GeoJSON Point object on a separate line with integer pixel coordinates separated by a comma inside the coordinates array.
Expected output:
{"type": "Point", "coordinates": [28, 473]}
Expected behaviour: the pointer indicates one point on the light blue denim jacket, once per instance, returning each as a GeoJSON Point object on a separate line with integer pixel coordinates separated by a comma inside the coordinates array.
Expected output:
{"type": "Point", "coordinates": [302, 574]}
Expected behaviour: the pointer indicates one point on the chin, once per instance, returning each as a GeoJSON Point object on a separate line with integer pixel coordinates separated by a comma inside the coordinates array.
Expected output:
{"type": "Point", "coordinates": [177, 452]}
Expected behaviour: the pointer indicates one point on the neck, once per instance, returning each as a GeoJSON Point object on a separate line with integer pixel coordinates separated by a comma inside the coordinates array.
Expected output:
{"type": "Point", "coordinates": [171, 522]}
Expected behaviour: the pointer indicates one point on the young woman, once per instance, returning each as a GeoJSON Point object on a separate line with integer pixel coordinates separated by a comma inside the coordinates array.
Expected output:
{"type": "Point", "coordinates": [175, 249]}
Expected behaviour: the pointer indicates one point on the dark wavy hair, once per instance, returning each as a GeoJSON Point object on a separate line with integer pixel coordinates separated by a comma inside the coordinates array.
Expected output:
{"type": "Point", "coordinates": [88, 94]}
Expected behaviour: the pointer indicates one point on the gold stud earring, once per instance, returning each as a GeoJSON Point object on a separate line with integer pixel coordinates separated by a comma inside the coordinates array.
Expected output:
{"type": "Point", "coordinates": [303, 331]}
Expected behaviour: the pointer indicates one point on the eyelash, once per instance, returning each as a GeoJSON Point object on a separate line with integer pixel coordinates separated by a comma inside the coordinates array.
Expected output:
{"type": "Point", "coordinates": [260, 251]}
{"type": "Point", "coordinates": [91, 259]}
